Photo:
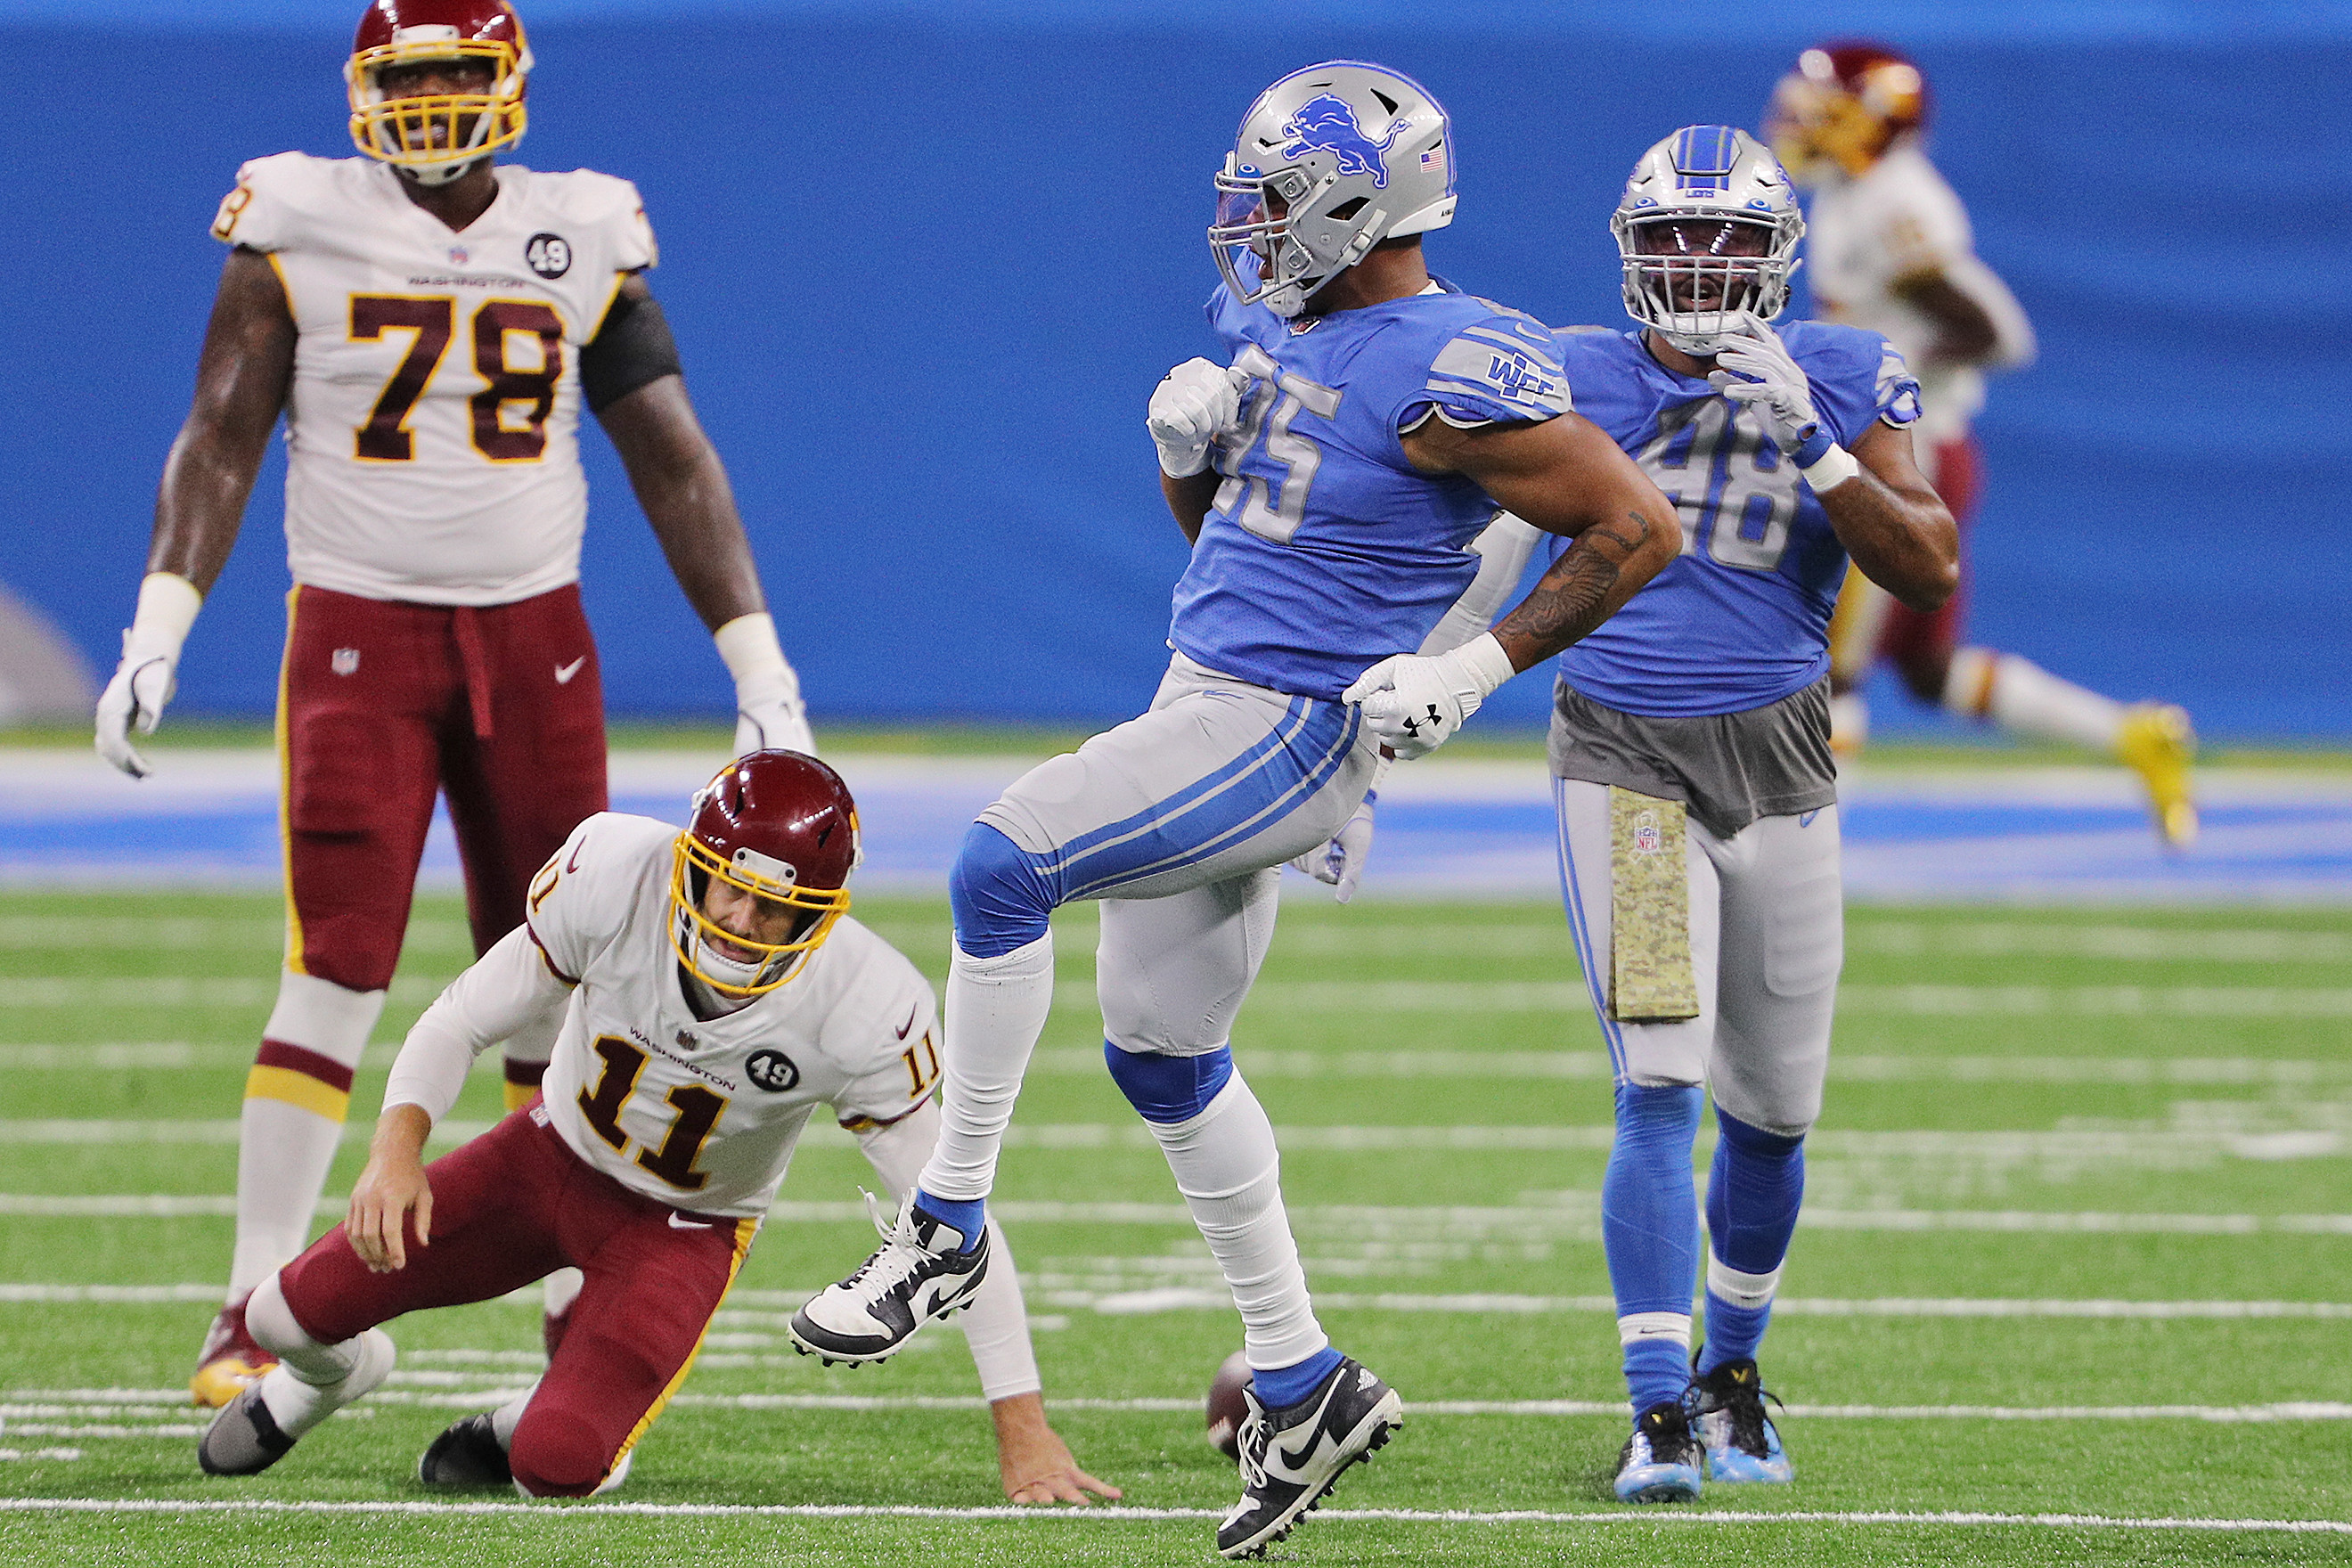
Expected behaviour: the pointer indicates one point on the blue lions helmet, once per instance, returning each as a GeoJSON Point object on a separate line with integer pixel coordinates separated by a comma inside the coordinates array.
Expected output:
{"type": "Point", "coordinates": [1708, 230]}
{"type": "Point", "coordinates": [1329, 161]}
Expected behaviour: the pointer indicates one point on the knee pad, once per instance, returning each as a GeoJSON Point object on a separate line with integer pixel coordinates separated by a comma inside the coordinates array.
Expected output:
{"type": "Point", "coordinates": [1168, 1088]}
{"type": "Point", "coordinates": [1755, 1141]}
{"type": "Point", "coordinates": [556, 1454]}
{"type": "Point", "coordinates": [1000, 900]}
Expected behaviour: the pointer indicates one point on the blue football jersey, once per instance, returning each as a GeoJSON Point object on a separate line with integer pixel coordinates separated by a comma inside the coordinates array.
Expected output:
{"type": "Point", "coordinates": [1741, 617]}
{"type": "Point", "coordinates": [1327, 551]}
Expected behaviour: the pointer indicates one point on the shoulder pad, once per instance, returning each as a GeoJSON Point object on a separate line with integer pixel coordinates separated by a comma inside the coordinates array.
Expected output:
{"type": "Point", "coordinates": [272, 197]}
{"type": "Point", "coordinates": [608, 209]}
{"type": "Point", "coordinates": [1505, 367]}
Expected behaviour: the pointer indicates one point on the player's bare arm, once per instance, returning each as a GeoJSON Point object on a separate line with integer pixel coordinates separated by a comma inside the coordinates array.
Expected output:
{"type": "Point", "coordinates": [682, 486]}
{"type": "Point", "coordinates": [390, 1188]}
{"type": "Point", "coordinates": [242, 376]}
{"type": "Point", "coordinates": [1892, 522]}
{"type": "Point", "coordinates": [1964, 332]}
{"type": "Point", "coordinates": [1564, 477]}
{"type": "Point", "coordinates": [1189, 500]}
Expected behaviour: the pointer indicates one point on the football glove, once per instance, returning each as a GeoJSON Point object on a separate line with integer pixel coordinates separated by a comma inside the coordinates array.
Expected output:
{"type": "Point", "coordinates": [1341, 862]}
{"type": "Point", "coordinates": [1414, 704]}
{"type": "Point", "coordinates": [143, 682]}
{"type": "Point", "coordinates": [1776, 387]}
{"type": "Point", "coordinates": [769, 712]}
{"type": "Point", "coordinates": [1193, 406]}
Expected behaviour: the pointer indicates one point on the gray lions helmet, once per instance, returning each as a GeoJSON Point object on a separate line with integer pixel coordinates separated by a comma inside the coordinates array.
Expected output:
{"type": "Point", "coordinates": [1707, 229]}
{"type": "Point", "coordinates": [1354, 153]}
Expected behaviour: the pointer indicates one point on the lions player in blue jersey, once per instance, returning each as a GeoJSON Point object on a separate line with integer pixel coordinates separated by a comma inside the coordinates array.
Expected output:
{"type": "Point", "coordinates": [1332, 478]}
{"type": "Point", "coordinates": [1698, 802]}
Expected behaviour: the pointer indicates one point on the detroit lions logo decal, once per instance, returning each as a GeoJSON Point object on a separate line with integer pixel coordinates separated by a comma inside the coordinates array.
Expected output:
{"type": "Point", "coordinates": [1327, 124]}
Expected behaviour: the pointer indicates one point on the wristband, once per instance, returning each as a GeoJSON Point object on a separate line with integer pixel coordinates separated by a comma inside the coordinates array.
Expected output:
{"type": "Point", "coordinates": [1484, 662]}
{"type": "Point", "coordinates": [168, 604]}
{"type": "Point", "coordinates": [1831, 469]}
{"type": "Point", "coordinates": [755, 659]}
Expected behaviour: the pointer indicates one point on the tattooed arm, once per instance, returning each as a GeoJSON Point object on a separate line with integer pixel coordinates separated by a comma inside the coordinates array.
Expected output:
{"type": "Point", "coordinates": [1566, 478]}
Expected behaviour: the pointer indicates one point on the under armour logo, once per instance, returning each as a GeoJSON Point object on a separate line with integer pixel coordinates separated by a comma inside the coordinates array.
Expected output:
{"type": "Point", "coordinates": [1436, 720]}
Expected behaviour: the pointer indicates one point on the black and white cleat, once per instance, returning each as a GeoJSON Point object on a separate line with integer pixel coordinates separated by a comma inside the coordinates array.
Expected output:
{"type": "Point", "coordinates": [924, 1269]}
{"type": "Point", "coordinates": [1292, 1457]}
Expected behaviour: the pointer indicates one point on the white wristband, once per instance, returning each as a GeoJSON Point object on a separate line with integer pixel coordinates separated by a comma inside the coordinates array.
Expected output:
{"type": "Point", "coordinates": [168, 604]}
{"type": "Point", "coordinates": [1831, 469]}
{"type": "Point", "coordinates": [1484, 662]}
{"type": "Point", "coordinates": [755, 659]}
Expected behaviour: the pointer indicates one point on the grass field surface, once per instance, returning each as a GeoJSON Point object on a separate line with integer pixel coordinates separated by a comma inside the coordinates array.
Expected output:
{"type": "Point", "coordinates": [2072, 1286]}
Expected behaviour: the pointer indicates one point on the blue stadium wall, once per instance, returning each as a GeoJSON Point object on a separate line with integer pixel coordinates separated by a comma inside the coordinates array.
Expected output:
{"type": "Point", "coordinates": [925, 269]}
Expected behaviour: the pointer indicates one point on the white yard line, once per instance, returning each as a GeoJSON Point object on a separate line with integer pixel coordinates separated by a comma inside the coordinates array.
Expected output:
{"type": "Point", "coordinates": [1121, 1513]}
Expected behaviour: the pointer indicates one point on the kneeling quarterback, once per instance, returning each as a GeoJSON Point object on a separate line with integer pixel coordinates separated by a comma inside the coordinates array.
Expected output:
{"type": "Point", "coordinates": [711, 994]}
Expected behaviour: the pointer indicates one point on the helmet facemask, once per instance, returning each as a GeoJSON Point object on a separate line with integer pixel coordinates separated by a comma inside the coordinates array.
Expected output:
{"type": "Point", "coordinates": [1696, 276]}
{"type": "Point", "coordinates": [774, 884]}
{"type": "Point", "coordinates": [434, 138]}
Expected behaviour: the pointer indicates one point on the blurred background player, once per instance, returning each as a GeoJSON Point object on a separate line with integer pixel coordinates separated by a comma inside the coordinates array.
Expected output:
{"type": "Point", "coordinates": [713, 994]}
{"type": "Point", "coordinates": [1891, 250]}
{"type": "Point", "coordinates": [1331, 480]}
{"type": "Point", "coordinates": [430, 324]}
{"type": "Point", "coordinates": [1695, 784]}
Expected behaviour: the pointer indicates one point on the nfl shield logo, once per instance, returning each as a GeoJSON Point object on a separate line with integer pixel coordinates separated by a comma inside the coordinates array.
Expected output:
{"type": "Point", "coordinates": [345, 661]}
{"type": "Point", "coordinates": [1647, 839]}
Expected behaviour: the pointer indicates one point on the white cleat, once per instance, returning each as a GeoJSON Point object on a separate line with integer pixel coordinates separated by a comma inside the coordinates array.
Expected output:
{"type": "Point", "coordinates": [924, 1269]}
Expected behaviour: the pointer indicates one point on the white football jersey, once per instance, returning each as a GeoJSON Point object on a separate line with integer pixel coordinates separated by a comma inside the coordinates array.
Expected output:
{"type": "Point", "coordinates": [434, 426]}
{"type": "Point", "coordinates": [1901, 217]}
{"type": "Point", "coordinates": [702, 1114]}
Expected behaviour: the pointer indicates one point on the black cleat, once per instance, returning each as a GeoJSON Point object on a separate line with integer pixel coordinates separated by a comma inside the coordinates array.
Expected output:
{"type": "Point", "coordinates": [1291, 1458]}
{"type": "Point", "coordinates": [924, 1270]}
{"type": "Point", "coordinates": [1726, 1408]}
{"type": "Point", "coordinates": [466, 1455]}
{"type": "Point", "coordinates": [244, 1438]}
{"type": "Point", "coordinates": [1660, 1461]}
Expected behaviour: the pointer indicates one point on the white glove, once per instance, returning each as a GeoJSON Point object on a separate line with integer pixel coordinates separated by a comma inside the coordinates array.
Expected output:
{"type": "Point", "coordinates": [1776, 388]}
{"type": "Point", "coordinates": [143, 682]}
{"type": "Point", "coordinates": [1192, 406]}
{"type": "Point", "coordinates": [1341, 862]}
{"type": "Point", "coordinates": [768, 708]}
{"type": "Point", "coordinates": [1414, 704]}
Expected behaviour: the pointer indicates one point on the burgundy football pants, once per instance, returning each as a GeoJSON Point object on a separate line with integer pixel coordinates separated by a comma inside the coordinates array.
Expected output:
{"type": "Point", "coordinates": [508, 1208]}
{"type": "Point", "coordinates": [380, 706]}
{"type": "Point", "coordinates": [1920, 644]}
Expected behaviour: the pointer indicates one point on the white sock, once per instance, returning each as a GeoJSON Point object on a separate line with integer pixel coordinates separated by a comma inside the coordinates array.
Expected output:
{"type": "Point", "coordinates": [559, 1289]}
{"type": "Point", "coordinates": [508, 1416]}
{"type": "Point", "coordinates": [996, 1008]}
{"type": "Point", "coordinates": [1229, 1173]}
{"type": "Point", "coordinates": [1733, 1288]}
{"type": "Point", "coordinates": [296, 1100]}
{"type": "Point", "coordinates": [2020, 696]}
{"type": "Point", "coordinates": [310, 1381]}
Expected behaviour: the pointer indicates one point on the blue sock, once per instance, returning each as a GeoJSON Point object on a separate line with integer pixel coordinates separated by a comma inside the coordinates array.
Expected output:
{"type": "Point", "coordinates": [1753, 1192]}
{"type": "Point", "coordinates": [1286, 1385]}
{"type": "Point", "coordinates": [1649, 1229]}
{"type": "Point", "coordinates": [1000, 899]}
{"type": "Point", "coordinates": [967, 1215]}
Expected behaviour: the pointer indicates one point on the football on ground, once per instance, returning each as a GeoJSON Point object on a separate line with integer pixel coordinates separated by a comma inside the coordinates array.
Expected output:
{"type": "Point", "coordinates": [1227, 1408]}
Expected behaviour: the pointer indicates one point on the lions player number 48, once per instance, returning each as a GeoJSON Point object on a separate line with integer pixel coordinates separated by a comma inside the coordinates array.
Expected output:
{"type": "Point", "coordinates": [1745, 511]}
{"type": "Point", "coordinates": [1273, 506]}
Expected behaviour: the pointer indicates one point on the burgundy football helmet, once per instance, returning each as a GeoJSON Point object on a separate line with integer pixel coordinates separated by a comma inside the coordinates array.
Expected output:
{"type": "Point", "coordinates": [1842, 107]}
{"type": "Point", "coordinates": [433, 138]}
{"type": "Point", "coordinates": [781, 827]}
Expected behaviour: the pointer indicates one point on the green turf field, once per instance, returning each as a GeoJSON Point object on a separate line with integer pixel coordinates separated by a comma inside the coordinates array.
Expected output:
{"type": "Point", "coordinates": [2079, 1244]}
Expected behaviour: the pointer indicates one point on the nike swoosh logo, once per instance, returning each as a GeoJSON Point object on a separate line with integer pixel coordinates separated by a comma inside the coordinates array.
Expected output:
{"type": "Point", "coordinates": [678, 1223]}
{"type": "Point", "coordinates": [910, 1020]}
{"type": "Point", "coordinates": [1297, 1461]}
{"type": "Point", "coordinates": [564, 672]}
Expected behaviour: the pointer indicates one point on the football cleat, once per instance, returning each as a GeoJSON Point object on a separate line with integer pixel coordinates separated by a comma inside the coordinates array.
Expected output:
{"type": "Point", "coordinates": [468, 1453]}
{"type": "Point", "coordinates": [230, 1361]}
{"type": "Point", "coordinates": [1660, 1461]}
{"type": "Point", "coordinates": [1727, 1410]}
{"type": "Point", "coordinates": [245, 1437]}
{"type": "Point", "coordinates": [921, 1272]}
{"type": "Point", "coordinates": [1292, 1457]}
{"type": "Point", "coordinates": [2158, 744]}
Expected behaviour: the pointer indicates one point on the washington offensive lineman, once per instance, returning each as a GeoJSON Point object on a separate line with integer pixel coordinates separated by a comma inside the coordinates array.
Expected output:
{"type": "Point", "coordinates": [712, 993]}
{"type": "Point", "coordinates": [1371, 421]}
{"type": "Point", "coordinates": [430, 324]}
{"type": "Point", "coordinates": [1892, 252]}
{"type": "Point", "coordinates": [1697, 796]}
